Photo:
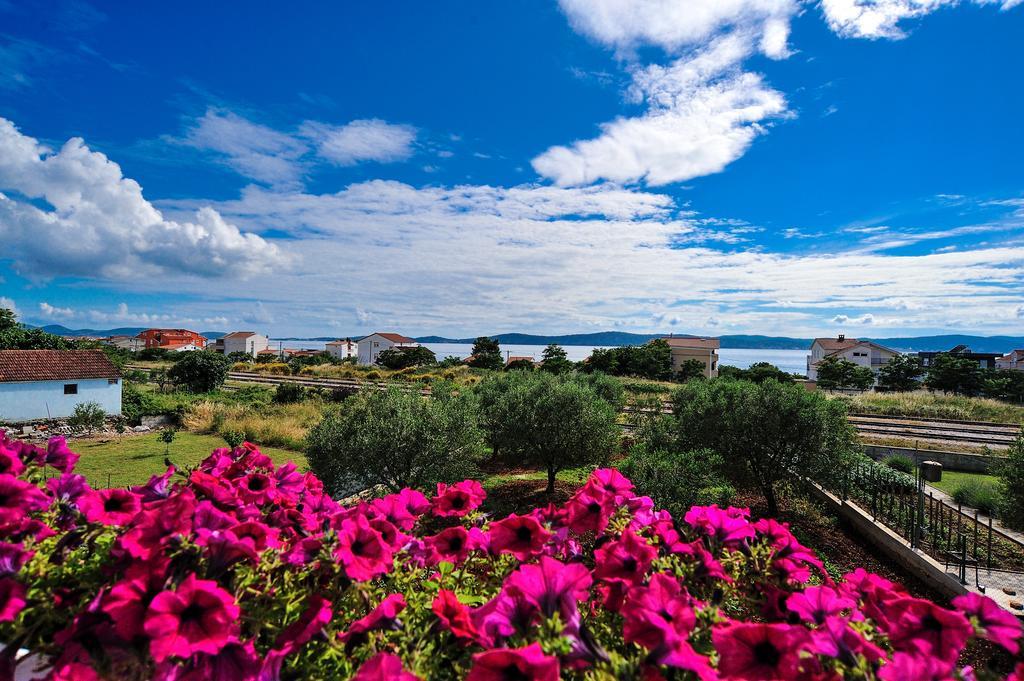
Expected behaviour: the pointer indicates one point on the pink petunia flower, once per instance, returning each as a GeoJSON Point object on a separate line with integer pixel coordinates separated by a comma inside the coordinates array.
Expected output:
{"type": "Point", "coordinates": [59, 456]}
{"type": "Point", "coordinates": [817, 603]}
{"type": "Point", "coordinates": [384, 667]}
{"type": "Point", "coordinates": [626, 559]}
{"type": "Point", "coordinates": [589, 512]}
{"type": "Point", "coordinates": [451, 545]}
{"type": "Point", "coordinates": [197, 617]}
{"type": "Point", "coordinates": [1000, 626]}
{"type": "Point", "coordinates": [18, 498]}
{"type": "Point", "coordinates": [361, 550]}
{"type": "Point", "coordinates": [727, 526]}
{"type": "Point", "coordinates": [905, 666]}
{"type": "Point", "coordinates": [257, 488]}
{"type": "Point", "coordinates": [457, 500]}
{"type": "Point", "coordinates": [523, 664]}
{"type": "Point", "coordinates": [128, 600]}
{"type": "Point", "coordinates": [12, 599]}
{"type": "Point", "coordinates": [10, 462]}
{"type": "Point", "coordinates": [453, 615]}
{"type": "Point", "coordinates": [835, 639]}
{"type": "Point", "coordinates": [110, 506]}
{"type": "Point", "coordinates": [12, 558]}
{"type": "Point", "coordinates": [521, 535]}
{"type": "Point", "coordinates": [612, 483]}
{"type": "Point", "coordinates": [384, 616]}
{"type": "Point", "coordinates": [550, 586]}
{"type": "Point", "coordinates": [759, 652]}
{"type": "Point", "coordinates": [311, 623]}
{"type": "Point", "coordinates": [920, 626]}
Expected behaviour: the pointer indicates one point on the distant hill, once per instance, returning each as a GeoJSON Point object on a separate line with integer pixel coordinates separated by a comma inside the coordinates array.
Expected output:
{"type": "Point", "coordinates": [948, 342]}
{"type": "Point", "coordinates": [120, 331]}
{"type": "Point", "coordinates": [612, 338]}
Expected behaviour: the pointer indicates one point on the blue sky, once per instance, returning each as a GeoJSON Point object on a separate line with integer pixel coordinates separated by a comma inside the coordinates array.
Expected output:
{"type": "Point", "coordinates": [695, 166]}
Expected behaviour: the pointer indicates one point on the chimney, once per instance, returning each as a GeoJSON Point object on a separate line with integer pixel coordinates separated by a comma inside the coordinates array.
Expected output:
{"type": "Point", "coordinates": [842, 337]}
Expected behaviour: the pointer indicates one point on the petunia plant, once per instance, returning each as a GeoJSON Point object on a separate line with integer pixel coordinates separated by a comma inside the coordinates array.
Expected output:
{"type": "Point", "coordinates": [240, 569]}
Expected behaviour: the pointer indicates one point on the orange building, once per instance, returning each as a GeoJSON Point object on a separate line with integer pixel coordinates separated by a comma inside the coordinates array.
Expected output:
{"type": "Point", "coordinates": [172, 339]}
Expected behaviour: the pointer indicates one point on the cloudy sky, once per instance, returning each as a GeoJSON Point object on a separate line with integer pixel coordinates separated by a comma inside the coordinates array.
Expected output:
{"type": "Point", "coordinates": [697, 166]}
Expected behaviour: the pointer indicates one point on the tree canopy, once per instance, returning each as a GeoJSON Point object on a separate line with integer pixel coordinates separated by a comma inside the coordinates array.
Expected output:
{"type": "Point", "coordinates": [555, 360]}
{"type": "Point", "coordinates": [902, 374]}
{"type": "Point", "coordinates": [401, 358]}
{"type": "Point", "coordinates": [200, 371]}
{"type": "Point", "coordinates": [836, 373]}
{"type": "Point", "coordinates": [486, 354]}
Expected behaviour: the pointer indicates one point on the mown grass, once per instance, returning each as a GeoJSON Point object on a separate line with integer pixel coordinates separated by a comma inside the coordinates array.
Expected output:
{"type": "Point", "coordinates": [934, 405]}
{"type": "Point", "coordinates": [951, 480]}
{"type": "Point", "coordinates": [132, 459]}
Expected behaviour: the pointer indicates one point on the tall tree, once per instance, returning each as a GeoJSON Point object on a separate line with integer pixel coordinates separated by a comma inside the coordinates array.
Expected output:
{"type": "Point", "coordinates": [835, 373]}
{"type": "Point", "coordinates": [902, 374]}
{"type": "Point", "coordinates": [952, 374]}
{"type": "Point", "coordinates": [486, 354]}
{"type": "Point", "coordinates": [200, 371]}
{"type": "Point", "coordinates": [555, 360]}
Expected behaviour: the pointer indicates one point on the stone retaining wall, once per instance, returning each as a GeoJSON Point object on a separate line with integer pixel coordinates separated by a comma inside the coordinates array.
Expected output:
{"type": "Point", "coordinates": [954, 461]}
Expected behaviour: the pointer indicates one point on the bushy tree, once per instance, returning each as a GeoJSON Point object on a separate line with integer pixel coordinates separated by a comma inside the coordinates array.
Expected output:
{"type": "Point", "coordinates": [768, 432]}
{"type": "Point", "coordinates": [450, 362]}
{"type": "Point", "coordinates": [87, 416]}
{"type": "Point", "coordinates": [678, 480]}
{"type": "Point", "coordinates": [552, 422]}
{"type": "Point", "coordinates": [1011, 483]}
{"type": "Point", "coordinates": [653, 360]}
{"type": "Point", "coordinates": [521, 364]}
{"type": "Point", "coordinates": [14, 336]}
{"type": "Point", "coordinates": [1003, 384]}
{"type": "Point", "coordinates": [902, 374]}
{"type": "Point", "coordinates": [555, 360]}
{"type": "Point", "coordinates": [835, 373]}
{"type": "Point", "coordinates": [486, 354]}
{"type": "Point", "coordinates": [402, 358]}
{"type": "Point", "coordinates": [289, 393]}
{"type": "Point", "coordinates": [691, 369]}
{"type": "Point", "coordinates": [397, 439]}
{"type": "Point", "coordinates": [200, 371]}
{"type": "Point", "coordinates": [952, 374]}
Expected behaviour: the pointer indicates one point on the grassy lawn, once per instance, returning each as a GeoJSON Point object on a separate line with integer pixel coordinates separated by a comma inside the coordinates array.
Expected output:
{"type": "Point", "coordinates": [132, 459]}
{"type": "Point", "coordinates": [935, 405]}
{"type": "Point", "coordinates": [953, 479]}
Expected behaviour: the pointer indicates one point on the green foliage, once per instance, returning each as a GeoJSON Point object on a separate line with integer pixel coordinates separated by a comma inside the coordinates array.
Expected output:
{"type": "Point", "coordinates": [837, 373]}
{"type": "Point", "coordinates": [296, 364]}
{"type": "Point", "coordinates": [450, 362]}
{"type": "Point", "coordinates": [233, 438]}
{"type": "Point", "coordinates": [520, 365]}
{"type": "Point", "coordinates": [155, 354]}
{"type": "Point", "coordinates": [691, 369]}
{"type": "Point", "coordinates": [678, 480]}
{"type": "Point", "coordinates": [289, 393]}
{"type": "Point", "coordinates": [865, 473]}
{"type": "Point", "coordinates": [239, 356]}
{"type": "Point", "coordinates": [87, 416]}
{"type": "Point", "coordinates": [402, 358]}
{"type": "Point", "coordinates": [200, 371]}
{"type": "Point", "coordinates": [555, 360]}
{"type": "Point", "coordinates": [759, 372]}
{"type": "Point", "coordinates": [553, 422]}
{"type": "Point", "coordinates": [768, 432]}
{"type": "Point", "coordinates": [1003, 384]}
{"type": "Point", "coordinates": [653, 360]}
{"type": "Point", "coordinates": [1011, 485]}
{"type": "Point", "coordinates": [14, 336]}
{"type": "Point", "coordinates": [952, 374]}
{"type": "Point", "coordinates": [980, 494]}
{"type": "Point", "coordinates": [395, 438]}
{"type": "Point", "coordinates": [902, 374]}
{"type": "Point", "coordinates": [486, 354]}
{"type": "Point", "coordinates": [900, 462]}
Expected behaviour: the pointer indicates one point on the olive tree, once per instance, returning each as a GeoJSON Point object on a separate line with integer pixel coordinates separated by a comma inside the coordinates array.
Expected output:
{"type": "Point", "coordinates": [397, 439]}
{"type": "Point", "coordinates": [200, 371]}
{"type": "Point", "coordinates": [552, 422]}
{"type": "Point", "coordinates": [766, 432]}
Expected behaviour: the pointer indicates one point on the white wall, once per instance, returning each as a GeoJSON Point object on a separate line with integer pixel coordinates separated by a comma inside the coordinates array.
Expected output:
{"type": "Point", "coordinates": [250, 345]}
{"type": "Point", "coordinates": [342, 350]}
{"type": "Point", "coordinates": [370, 347]}
{"type": "Point", "coordinates": [46, 399]}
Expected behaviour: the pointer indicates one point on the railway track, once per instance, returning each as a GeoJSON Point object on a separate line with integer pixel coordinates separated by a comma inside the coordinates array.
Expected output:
{"type": "Point", "coordinates": [973, 433]}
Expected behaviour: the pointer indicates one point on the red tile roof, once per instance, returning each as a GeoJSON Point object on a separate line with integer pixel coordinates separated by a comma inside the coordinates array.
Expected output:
{"type": "Point", "coordinates": [393, 337]}
{"type": "Point", "coordinates": [692, 342]}
{"type": "Point", "coordinates": [239, 334]}
{"type": "Point", "coordinates": [54, 365]}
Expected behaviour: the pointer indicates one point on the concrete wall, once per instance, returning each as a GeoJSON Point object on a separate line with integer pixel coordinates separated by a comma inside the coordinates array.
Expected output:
{"type": "Point", "coordinates": [38, 400]}
{"type": "Point", "coordinates": [706, 356]}
{"type": "Point", "coordinates": [954, 461]}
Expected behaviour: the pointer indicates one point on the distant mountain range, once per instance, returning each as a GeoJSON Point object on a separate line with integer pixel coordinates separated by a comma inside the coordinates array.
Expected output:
{"type": "Point", "coordinates": [612, 338]}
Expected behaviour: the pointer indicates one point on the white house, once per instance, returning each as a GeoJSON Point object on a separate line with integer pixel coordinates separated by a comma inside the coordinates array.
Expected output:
{"type": "Point", "coordinates": [126, 343]}
{"type": "Point", "coordinates": [861, 352]}
{"type": "Point", "coordinates": [342, 349]}
{"type": "Point", "coordinates": [371, 346]}
{"type": "Point", "coordinates": [1012, 360]}
{"type": "Point", "coordinates": [45, 384]}
{"type": "Point", "coordinates": [249, 342]}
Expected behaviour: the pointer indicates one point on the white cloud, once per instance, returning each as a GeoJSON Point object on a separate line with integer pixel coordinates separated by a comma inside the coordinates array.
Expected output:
{"type": "Point", "coordinates": [675, 25]}
{"type": "Point", "coordinates": [361, 140]}
{"type": "Point", "coordinates": [250, 149]}
{"type": "Point", "coordinates": [703, 114]}
{"type": "Point", "coordinates": [258, 314]}
{"type": "Point", "coordinates": [8, 304]}
{"type": "Point", "coordinates": [73, 213]}
{"type": "Point", "coordinates": [881, 18]}
{"type": "Point", "coordinates": [51, 312]}
{"type": "Point", "coordinates": [864, 320]}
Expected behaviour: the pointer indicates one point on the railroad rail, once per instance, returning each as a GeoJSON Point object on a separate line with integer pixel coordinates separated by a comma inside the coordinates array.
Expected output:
{"type": "Point", "coordinates": [974, 433]}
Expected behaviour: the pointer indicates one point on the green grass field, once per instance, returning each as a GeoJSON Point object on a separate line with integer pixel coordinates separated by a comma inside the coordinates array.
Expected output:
{"type": "Point", "coordinates": [953, 479]}
{"type": "Point", "coordinates": [132, 459]}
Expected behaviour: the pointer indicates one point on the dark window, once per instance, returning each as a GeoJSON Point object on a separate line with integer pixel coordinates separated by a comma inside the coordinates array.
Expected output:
{"type": "Point", "coordinates": [70, 388]}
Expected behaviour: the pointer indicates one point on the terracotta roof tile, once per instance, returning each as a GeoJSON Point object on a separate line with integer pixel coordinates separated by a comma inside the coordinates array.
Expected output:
{"type": "Point", "coordinates": [54, 365]}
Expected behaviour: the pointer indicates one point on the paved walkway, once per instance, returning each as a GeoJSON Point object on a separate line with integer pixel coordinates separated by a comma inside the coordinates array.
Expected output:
{"type": "Point", "coordinates": [982, 518]}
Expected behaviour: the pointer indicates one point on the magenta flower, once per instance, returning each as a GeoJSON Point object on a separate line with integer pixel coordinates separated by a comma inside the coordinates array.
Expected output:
{"type": "Point", "coordinates": [12, 599]}
{"type": "Point", "coordinates": [384, 616]}
{"type": "Point", "coordinates": [110, 506]}
{"type": "Point", "coordinates": [660, 617]}
{"type": "Point", "coordinates": [12, 558]}
{"type": "Point", "coordinates": [905, 666]}
{"type": "Point", "coordinates": [729, 527]}
{"type": "Point", "coordinates": [759, 652]}
{"type": "Point", "coordinates": [612, 483]}
{"type": "Point", "coordinates": [920, 626]}
{"type": "Point", "coordinates": [457, 500]}
{"type": "Point", "coordinates": [128, 600]}
{"type": "Point", "coordinates": [257, 488]}
{"type": "Point", "coordinates": [817, 603]}
{"type": "Point", "coordinates": [361, 550]}
{"type": "Point", "coordinates": [398, 509]}
{"type": "Point", "coordinates": [311, 623]}
{"type": "Point", "coordinates": [10, 462]}
{"type": "Point", "coordinates": [999, 626]}
{"type": "Point", "coordinates": [68, 488]}
{"type": "Point", "coordinates": [453, 615]}
{"type": "Point", "coordinates": [451, 545]}
{"type": "Point", "coordinates": [17, 498]}
{"type": "Point", "coordinates": [197, 617]}
{"type": "Point", "coordinates": [835, 639]}
{"type": "Point", "coordinates": [59, 456]}
{"type": "Point", "coordinates": [589, 512]}
{"type": "Point", "coordinates": [384, 667]}
{"type": "Point", "coordinates": [158, 487]}
{"type": "Point", "coordinates": [522, 664]}
{"type": "Point", "coordinates": [521, 535]}
{"type": "Point", "coordinates": [627, 559]}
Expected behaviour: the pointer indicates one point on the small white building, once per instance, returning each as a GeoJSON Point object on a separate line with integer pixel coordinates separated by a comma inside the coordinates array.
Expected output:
{"type": "Point", "coordinates": [371, 346]}
{"type": "Point", "coordinates": [1013, 360]}
{"type": "Point", "coordinates": [126, 343]}
{"type": "Point", "coordinates": [342, 349]}
{"type": "Point", "coordinates": [249, 342]}
{"type": "Point", "coordinates": [49, 384]}
{"type": "Point", "coordinates": [861, 352]}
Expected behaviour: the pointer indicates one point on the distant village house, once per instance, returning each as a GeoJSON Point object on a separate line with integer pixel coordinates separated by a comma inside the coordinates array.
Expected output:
{"type": "Point", "coordinates": [863, 353]}
{"type": "Point", "coordinates": [172, 339]}
{"type": "Point", "coordinates": [1013, 361]}
{"type": "Point", "coordinates": [49, 384]}
{"type": "Point", "coordinates": [985, 360]}
{"type": "Point", "coordinates": [704, 350]}
{"type": "Point", "coordinates": [248, 342]}
{"type": "Point", "coordinates": [133, 343]}
{"type": "Point", "coordinates": [371, 346]}
{"type": "Point", "coordinates": [342, 349]}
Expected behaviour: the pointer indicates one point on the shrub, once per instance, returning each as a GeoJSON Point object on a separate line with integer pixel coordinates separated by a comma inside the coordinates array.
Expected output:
{"type": "Point", "coordinates": [1011, 485]}
{"type": "Point", "coordinates": [395, 438]}
{"type": "Point", "coordinates": [200, 371]}
{"type": "Point", "coordinates": [289, 393]}
{"type": "Point", "coordinates": [233, 438]}
{"type": "Point", "coordinates": [288, 584]}
{"type": "Point", "coordinates": [866, 472]}
{"type": "Point", "coordinates": [679, 480]}
{"type": "Point", "coordinates": [901, 463]}
{"type": "Point", "coordinates": [87, 416]}
{"type": "Point", "coordinates": [980, 494]}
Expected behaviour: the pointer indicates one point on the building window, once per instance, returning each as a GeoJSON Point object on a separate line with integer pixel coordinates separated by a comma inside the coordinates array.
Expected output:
{"type": "Point", "coordinates": [70, 388]}
{"type": "Point", "coordinates": [112, 381]}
